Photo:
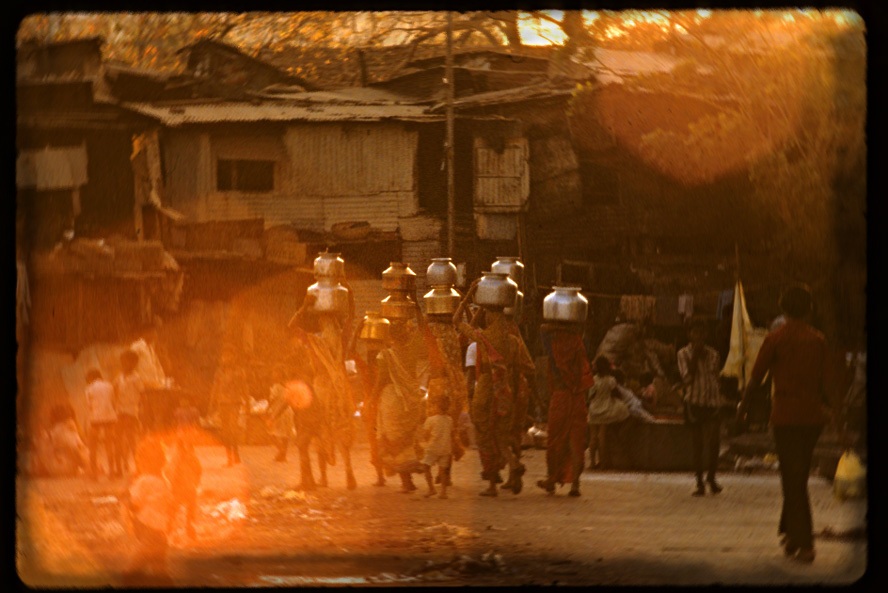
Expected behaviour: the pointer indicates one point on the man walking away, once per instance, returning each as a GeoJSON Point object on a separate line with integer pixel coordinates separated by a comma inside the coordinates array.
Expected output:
{"type": "Point", "coordinates": [795, 354]}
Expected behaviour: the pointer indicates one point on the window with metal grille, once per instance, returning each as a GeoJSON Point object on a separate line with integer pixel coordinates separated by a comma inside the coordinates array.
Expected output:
{"type": "Point", "coordinates": [244, 175]}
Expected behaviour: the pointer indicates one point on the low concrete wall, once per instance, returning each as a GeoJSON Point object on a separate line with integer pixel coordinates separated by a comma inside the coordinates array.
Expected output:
{"type": "Point", "coordinates": [662, 446]}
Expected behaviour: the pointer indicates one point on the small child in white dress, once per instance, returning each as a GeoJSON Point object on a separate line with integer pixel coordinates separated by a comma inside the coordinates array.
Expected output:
{"type": "Point", "coordinates": [436, 441]}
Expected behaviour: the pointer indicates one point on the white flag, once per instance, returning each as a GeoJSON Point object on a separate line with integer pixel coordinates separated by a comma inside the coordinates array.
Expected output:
{"type": "Point", "coordinates": [746, 341]}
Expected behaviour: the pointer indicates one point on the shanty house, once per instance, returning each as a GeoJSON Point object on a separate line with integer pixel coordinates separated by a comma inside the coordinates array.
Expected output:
{"type": "Point", "coordinates": [88, 224]}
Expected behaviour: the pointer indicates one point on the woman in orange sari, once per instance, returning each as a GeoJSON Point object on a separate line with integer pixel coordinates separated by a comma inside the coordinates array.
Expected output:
{"type": "Point", "coordinates": [401, 406]}
{"type": "Point", "coordinates": [569, 379]}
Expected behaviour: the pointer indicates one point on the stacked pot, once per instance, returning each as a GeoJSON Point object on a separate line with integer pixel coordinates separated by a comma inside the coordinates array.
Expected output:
{"type": "Point", "coordinates": [331, 296]}
{"type": "Point", "coordinates": [375, 329]}
{"type": "Point", "coordinates": [496, 291]}
{"type": "Point", "coordinates": [565, 304]}
{"type": "Point", "coordinates": [400, 281]}
{"type": "Point", "coordinates": [513, 267]}
{"type": "Point", "coordinates": [442, 299]}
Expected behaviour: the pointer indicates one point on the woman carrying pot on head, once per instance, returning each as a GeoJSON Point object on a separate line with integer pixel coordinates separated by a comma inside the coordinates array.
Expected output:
{"type": "Point", "coordinates": [446, 378]}
{"type": "Point", "coordinates": [570, 377]}
{"type": "Point", "coordinates": [523, 392]}
{"type": "Point", "coordinates": [501, 358]}
{"type": "Point", "coordinates": [373, 332]}
{"type": "Point", "coordinates": [323, 337]}
{"type": "Point", "coordinates": [401, 410]}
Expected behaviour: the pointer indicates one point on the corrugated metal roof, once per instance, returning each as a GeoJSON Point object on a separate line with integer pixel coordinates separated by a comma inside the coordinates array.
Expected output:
{"type": "Point", "coordinates": [530, 53]}
{"type": "Point", "coordinates": [204, 113]}
{"type": "Point", "coordinates": [115, 67]}
{"type": "Point", "coordinates": [345, 96]}
{"type": "Point", "coordinates": [524, 93]}
{"type": "Point", "coordinates": [617, 65]}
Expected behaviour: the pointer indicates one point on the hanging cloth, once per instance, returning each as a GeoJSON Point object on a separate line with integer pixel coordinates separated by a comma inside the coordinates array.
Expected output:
{"type": "Point", "coordinates": [746, 341]}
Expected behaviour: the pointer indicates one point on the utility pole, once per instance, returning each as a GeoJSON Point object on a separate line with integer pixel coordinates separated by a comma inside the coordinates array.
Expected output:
{"type": "Point", "coordinates": [448, 143]}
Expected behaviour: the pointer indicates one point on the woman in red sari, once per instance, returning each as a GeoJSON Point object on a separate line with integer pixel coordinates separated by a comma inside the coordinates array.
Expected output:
{"type": "Point", "coordinates": [569, 379]}
{"type": "Point", "coordinates": [502, 359]}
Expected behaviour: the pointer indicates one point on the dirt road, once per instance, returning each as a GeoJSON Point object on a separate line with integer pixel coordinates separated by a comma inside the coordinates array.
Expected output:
{"type": "Point", "coordinates": [254, 529]}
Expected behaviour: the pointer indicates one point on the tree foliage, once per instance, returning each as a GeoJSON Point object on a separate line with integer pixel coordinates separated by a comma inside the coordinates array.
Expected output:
{"type": "Point", "coordinates": [788, 97]}
{"type": "Point", "coordinates": [151, 40]}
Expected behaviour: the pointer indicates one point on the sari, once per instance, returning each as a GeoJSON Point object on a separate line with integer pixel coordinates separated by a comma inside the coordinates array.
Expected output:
{"type": "Point", "coordinates": [444, 349]}
{"type": "Point", "coordinates": [523, 393]}
{"type": "Point", "coordinates": [331, 387]}
{"type": "Point", "coordinates": [569, 378]}
{"type": "Point", "coordinates": [401, 408]}
{"type": "Point", "coordinates": [493, 406]}
{"type": "Point", "coordinates": [370, 409]}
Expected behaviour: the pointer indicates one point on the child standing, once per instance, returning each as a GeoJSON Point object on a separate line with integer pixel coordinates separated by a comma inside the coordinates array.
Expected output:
{"type": "Point", "coordinates": [281, 422]}
{"type": "Point", "coordinates": [102, 421]}
{"type": "Point", "coordinates": [183, 473]}
{"type": "Point", "coordinates": [149, 510]}
{"type": "Point", "coordinates": [437, 443]}
{"type": "Point", "coordinates": [128, 388]}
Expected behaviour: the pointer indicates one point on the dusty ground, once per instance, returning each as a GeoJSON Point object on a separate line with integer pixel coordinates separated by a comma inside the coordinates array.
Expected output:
{"type": "Point", "coordinates": [626, 529]}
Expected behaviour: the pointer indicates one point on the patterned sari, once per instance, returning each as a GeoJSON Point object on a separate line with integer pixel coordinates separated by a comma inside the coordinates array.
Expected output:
{"type": "Point", "coordinates": [400, 413]}
{"type": "Point", "coordinates": [450, 380]}
{"type": "Point", "coordinates": [494, 404]}
{"type": "Point", "coordinates": [569, 378]}
{"type": "Point", "coordinates": [331, 388]}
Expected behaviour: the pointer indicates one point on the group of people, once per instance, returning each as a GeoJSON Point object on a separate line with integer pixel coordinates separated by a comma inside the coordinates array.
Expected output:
{"type": "Point", "coordinates": [113, 425]}
{"type": "Point", "coordinates": [414, 394]}
{"type": "Point", "coordinates": [162, 472]}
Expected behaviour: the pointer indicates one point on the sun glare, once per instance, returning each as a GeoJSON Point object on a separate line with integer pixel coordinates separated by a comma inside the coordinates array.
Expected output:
{"type": "Point", "coordinates": [539, 31]}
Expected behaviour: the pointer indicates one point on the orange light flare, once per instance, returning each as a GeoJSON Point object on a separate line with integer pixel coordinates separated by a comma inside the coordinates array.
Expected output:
{"type": "Point", "coordinates": [694, 133]}
{"type": "Point", "coordinates": [74, 532]}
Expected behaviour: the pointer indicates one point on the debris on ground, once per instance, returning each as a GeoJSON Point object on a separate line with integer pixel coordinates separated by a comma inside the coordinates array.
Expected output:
{"type": "Point", "coordinates": [231, 510]}
{"type": "Point", "coordinates": [461, 565]}
{"type": "Point", "coordinates": [387, 577]}
{"type": "Point", "coordinates": [295, 495]}
{"type": "Point", "coordinates": [751, 464]}
{"type": "Point", "coordinates": [314, 515]}
{"type": "Point", "coordinates": [104, 500]}
{"type": "Point", "coordinates": [269, 492]}
{"type": "Point", "coordinates": [444, 533]}
{"type": "Point", "coordinates": [538, 435]}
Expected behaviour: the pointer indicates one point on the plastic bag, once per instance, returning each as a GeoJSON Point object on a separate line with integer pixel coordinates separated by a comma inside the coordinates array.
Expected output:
{"type": "Point", "coordinates": [850, 478]}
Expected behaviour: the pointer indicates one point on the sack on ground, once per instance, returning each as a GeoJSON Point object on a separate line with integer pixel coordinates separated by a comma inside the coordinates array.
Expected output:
{"type": "Point", "coordinates": [850, 478]}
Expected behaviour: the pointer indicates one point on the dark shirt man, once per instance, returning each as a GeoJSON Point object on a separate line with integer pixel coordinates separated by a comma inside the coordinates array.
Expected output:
{"type": "Point", "coordinates": [797, 358]}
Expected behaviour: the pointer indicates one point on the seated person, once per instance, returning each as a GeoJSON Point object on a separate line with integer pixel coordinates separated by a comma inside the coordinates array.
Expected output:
{"type": "Point", "coordinates": [60, 449]}
{"type": "Point", "coordinates": [635, 405]}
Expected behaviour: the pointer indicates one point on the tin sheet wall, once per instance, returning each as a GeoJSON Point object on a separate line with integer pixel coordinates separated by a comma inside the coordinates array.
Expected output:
{"type": "Point", "coordinates": [324, 174]}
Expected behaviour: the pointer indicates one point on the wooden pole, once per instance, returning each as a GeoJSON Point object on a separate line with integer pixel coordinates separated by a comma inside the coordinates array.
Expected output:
{"type": "Point", "coordinates": [448, 146]}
